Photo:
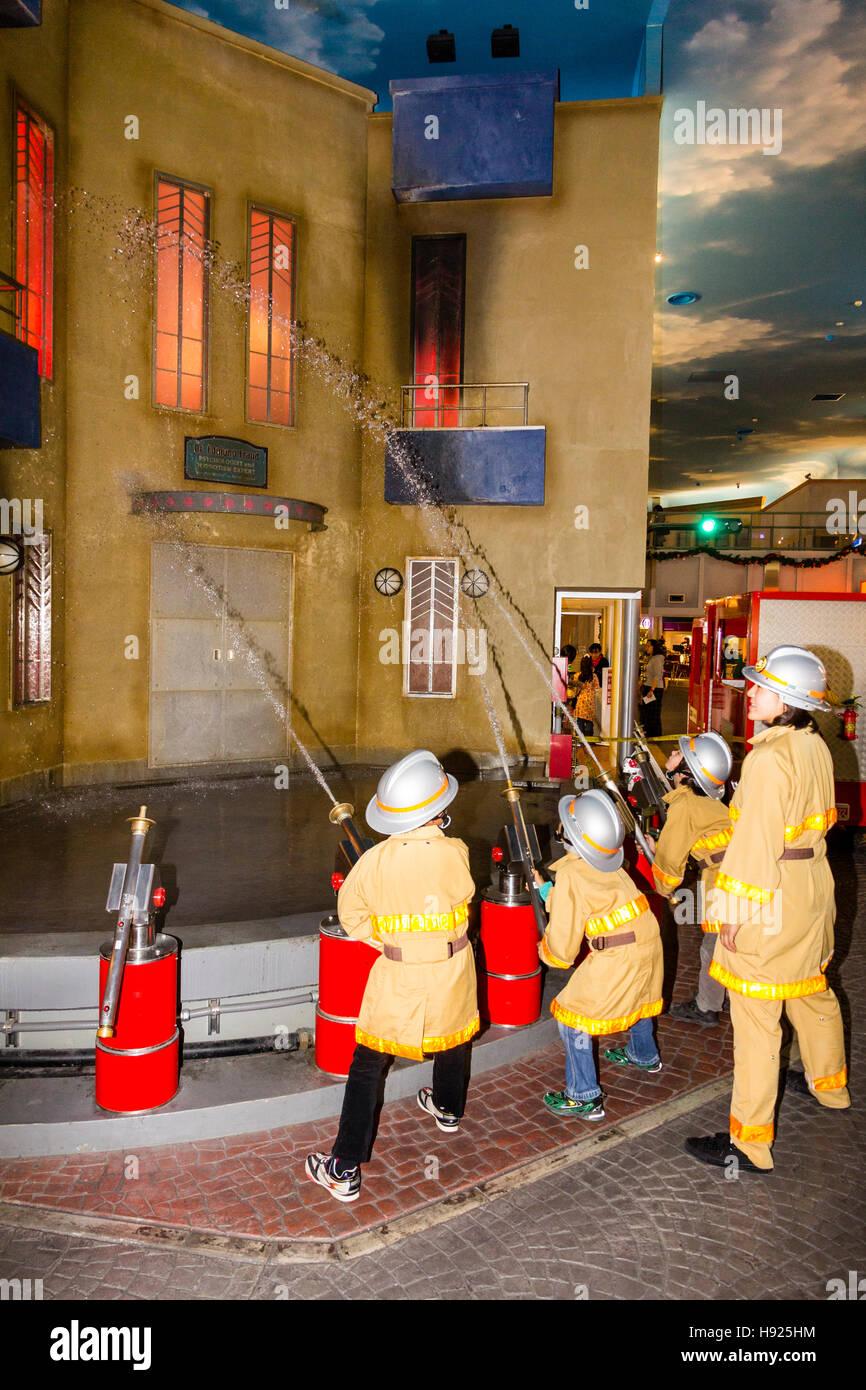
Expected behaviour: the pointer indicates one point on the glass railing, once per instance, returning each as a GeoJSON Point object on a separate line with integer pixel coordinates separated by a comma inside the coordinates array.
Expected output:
{"type": "Point", "coordinates": [440, 403]}
{"type": "Point", "coordinates": [764, 531]}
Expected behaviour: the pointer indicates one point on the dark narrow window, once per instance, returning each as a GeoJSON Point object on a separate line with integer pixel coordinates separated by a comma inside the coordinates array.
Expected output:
{"type": "Point", "coordinates": [181, 295]}
{"type": "Point", "coordinates": [272, 308]}
{"type": "Point", "coordinates": [431, 627]}
{"type": "Point", "coordinates": [34, 232]}
{"type": "Point", "coordinates": [438, 302]}
{"type": "Point", "coordinates": [31, 657]}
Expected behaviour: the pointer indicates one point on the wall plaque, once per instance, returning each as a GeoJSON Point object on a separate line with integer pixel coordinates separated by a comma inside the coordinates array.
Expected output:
{"type": "Point", "coordinates": [214, 458]}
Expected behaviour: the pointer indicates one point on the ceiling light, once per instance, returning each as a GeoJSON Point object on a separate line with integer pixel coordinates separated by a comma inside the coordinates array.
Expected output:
{"type": "Point", "coordinates": [505, 42]}
{"type": "Point", "coordinates": [441, 47]}
{"type": "Point", "coordinates": [828, 396]}
{"type": "Point", "coordinates": [683, 297]}
{"type": "Point", "coordinates": [658, 257]}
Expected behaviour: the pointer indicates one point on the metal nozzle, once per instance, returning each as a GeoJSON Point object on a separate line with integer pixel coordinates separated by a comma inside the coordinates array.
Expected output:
{"type": "Point", "coordinates": [342, 810]}
{"type": "Point", "coordinates": [140, 823]}
{"type": "Point", "coordinates": [105, 1032]}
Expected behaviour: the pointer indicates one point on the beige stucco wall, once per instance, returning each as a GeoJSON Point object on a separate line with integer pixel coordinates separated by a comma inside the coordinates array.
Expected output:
{"type": "Point", "coordinates": [252, 126]}
{"type": "Point", "coordinates": [33, 63]}
{"type": "Point", "coordinates": [583, 340]}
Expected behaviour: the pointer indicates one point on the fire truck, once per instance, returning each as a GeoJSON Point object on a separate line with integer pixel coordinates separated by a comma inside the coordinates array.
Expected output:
{"type": "Point", "coordinates": [735, 631]}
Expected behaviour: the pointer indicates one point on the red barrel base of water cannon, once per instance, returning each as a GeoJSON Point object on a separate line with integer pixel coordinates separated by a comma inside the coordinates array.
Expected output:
{"type": "Point", "coordinates": [132, 1081]}
{"type": "Point", "coordinates": [335, 1043]}
{"type": "Point", "coordinates": [510, 1001]}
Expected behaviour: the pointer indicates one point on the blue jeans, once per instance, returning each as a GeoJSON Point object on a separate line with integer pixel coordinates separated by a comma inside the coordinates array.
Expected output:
{"type": "Point", "coordinates": [581, 1078]}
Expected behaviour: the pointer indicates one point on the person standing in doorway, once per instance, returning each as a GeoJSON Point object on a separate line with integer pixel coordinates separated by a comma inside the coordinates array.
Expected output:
{"type": "Point", "coordinates": [586, 689]}
{"type": "Point", "coordinates": [599, 662]}
{"type": "Point", "coordinates": [653, 689]}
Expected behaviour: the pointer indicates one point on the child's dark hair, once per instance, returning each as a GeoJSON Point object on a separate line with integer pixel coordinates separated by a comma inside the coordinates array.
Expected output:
{"type": "Point", "coordinates": [794, 718]}
{"type": "Point", "coordinates": [586, 671]}
{"type": "Point", "coordinates": [687, 778]}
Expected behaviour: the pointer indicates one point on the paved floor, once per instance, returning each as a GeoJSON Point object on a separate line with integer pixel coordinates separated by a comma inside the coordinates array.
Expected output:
{"type": "Point", "coordinates": [519, 1211]}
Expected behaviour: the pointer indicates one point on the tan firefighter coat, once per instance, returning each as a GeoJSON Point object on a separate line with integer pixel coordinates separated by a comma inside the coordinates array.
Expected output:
{"type": "Point", "coordinates": [698, 826]}
{"type": "Point", "coordinates": [412, 892]}
{"type": "Point", "coordinates": [785, 908]}
{"type": "Point", "coordinates": [612, 988]}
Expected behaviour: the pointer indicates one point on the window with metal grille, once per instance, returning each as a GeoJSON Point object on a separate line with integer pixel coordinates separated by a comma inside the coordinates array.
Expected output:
{"type": "Point", "coordinates": [430, 627]}
{"type": "Point", "coordinates": [31, 648]}
{"type": "Point", "coordinates": [34, 232]}
{"type": "Point", "coordinates": [438, 300]}
{"type": "Point", "coordinates": [180, 357]}
{"type": "Point", "coordinates": [270, 372]}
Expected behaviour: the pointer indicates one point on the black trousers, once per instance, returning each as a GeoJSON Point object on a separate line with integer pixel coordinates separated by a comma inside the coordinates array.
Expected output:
{"type": "Point", "coordinates": [354, 1138]}
{"type": "Point", "coordinates": [651, 715]}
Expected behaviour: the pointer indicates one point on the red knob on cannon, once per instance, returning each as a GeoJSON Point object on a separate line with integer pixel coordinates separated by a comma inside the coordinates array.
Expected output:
{"type": "Point", "coordinates": [337, 881]}
{"type": "Point", "coordinates": [496, 854]}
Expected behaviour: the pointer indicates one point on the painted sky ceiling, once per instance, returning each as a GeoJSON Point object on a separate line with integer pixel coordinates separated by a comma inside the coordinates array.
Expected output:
{"type": "Point", "coordinates": [774, 244]}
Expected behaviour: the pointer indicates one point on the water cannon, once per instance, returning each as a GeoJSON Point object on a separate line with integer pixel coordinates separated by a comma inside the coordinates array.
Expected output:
{"type": "Point", "coordinates": [355, 844]}
{"type": "Point", "coordinates": [129, 895]}
{"type": "Point", "coordinates": [522, 844]}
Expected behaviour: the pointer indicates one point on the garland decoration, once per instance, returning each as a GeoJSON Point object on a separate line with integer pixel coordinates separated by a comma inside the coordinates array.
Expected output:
{"type": "Point", "coordinates": [856, 548]}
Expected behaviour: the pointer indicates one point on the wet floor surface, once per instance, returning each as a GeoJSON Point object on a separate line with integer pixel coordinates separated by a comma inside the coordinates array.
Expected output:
{"type": "Point", "coordinates": [228, 851]}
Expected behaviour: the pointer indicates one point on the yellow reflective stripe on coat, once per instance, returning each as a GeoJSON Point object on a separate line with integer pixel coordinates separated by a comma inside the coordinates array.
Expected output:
{"type": "Point", "coordinates": [604, 1025]}
{"type": "Point", "coordinates": [626, 913]}
{"type": "Point", "coordinates": [831, 1083]}
{"type": "Point", "coordinates": [665, 878]}
{"type": "Point", "coordinates": [441, 1044]}
{"type": "Point", "coordinates": [717, 841]}
{"type": "Point", "coordinates": [751, 1134]}
{"type": "Point", "coordinates": [821, 821]}
{"type": "Point", "coordinates": [743, 890]}
{"type": "Point", "coordinates": [421, 921]}
{"type": "Point", "coordinates": [753, 989]}
{"type": "Point", "coordinates": [711, 926]}
{"type": "Point", "coordinates": [550, 959]}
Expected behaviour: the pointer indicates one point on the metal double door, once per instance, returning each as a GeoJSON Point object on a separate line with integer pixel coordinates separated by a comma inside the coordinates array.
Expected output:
{"type": "Point", "coordinates": [219, 654]}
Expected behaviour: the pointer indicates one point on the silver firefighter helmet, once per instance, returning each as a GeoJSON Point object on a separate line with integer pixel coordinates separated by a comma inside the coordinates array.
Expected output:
{"type": "Point", "coordinates": [794, 674]}
{"type": "Point", "coordinates": [709, 760]}
{"type": "Point", "coordinates": [413, 791]}
{"type": "Point", "coordinates": [592, 827]}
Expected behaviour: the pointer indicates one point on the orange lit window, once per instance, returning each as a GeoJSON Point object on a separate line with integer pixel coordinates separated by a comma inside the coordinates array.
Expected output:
{"type": "Point", "coordinates": [272, 308]}
{"type": "Point", "coordinates": [34, 232]}
{"type": "Point", "coordinates": [181, 295]}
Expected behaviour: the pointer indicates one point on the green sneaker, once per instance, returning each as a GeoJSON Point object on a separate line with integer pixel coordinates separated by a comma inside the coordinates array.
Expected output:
{"type": "Point", "coordinates": [561, 1104]}
{"type": "Point", "coordinates": [619, 1056]}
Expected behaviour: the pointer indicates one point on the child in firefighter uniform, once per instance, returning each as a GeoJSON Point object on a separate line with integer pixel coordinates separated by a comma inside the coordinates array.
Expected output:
{"type": "Point", "coordinates": [774, 904]}
{"type": "Point", "coordinates": [409, 896]}
{"type": "Point", "coordinates": [619, 984]}
{"type": "Point", "coordinates": [697, 825]}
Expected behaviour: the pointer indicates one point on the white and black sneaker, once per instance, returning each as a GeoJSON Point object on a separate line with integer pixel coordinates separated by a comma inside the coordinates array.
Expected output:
{"type": "Point", "coordinates": [444, 1119]}
{"type": "Point", "coordinates": [343, 1184]}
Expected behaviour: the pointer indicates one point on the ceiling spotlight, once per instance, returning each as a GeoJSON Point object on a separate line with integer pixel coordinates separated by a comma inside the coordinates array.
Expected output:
{"type": "Point", "coordinates": [658, 257]}
{"type": "Point", "coordinates": [683, 297]}
{"type": "Point", "coordinates": [856, 303]}
{"type": "Point", "coordinates": [840, 323]}
{"type": "Point", "coordinates": [505, 42]}
{"type": "Point", "coordinates": [441, 47]}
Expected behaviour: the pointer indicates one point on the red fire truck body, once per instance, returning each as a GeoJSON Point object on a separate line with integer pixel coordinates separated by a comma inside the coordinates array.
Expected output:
{"type": "Point", "coordinates": [735, 631]}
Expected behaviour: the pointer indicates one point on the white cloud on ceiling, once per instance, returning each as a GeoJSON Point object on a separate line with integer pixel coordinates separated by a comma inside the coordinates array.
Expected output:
{"type": "Point", "coordinates": [699, 340]}
{"type": "Point", "coordinates": [340, 37]}
{"type": "Point", "coordinates": [799, 60]}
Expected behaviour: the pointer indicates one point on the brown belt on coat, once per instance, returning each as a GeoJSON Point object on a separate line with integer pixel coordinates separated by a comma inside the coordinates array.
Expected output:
{"type": "Point", "coordinates": [604, 943]}
{"type": "Point", "coordinates": [717, 857]}
{"type": "Point", "coordinates": [797, 854]}
{"type": "Point", "coordinates": [394, 952]}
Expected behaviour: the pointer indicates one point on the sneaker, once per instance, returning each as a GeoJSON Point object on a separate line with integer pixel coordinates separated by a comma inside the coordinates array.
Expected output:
{"type": "Point", "coordinates": [690, 1013]}
{"type": "Point", "coordinates": [444, 1119]}
{"type": "Point", "coordinates": [561, 1104]}
{"type": "Point", "coordinates": [345, 1186]}
{"type": "Point", "coordinates": [620, 1057]}
{"type": "Point", "coordinates": [719, 1149]}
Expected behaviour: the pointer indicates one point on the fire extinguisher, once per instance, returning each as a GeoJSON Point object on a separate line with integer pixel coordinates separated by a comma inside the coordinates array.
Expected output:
{"type": "Point", "coordinates": [849, 722]}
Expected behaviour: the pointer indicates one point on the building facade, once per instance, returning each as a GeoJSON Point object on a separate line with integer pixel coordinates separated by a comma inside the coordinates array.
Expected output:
{"type": "Point", "coordinates": [208, 192]}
